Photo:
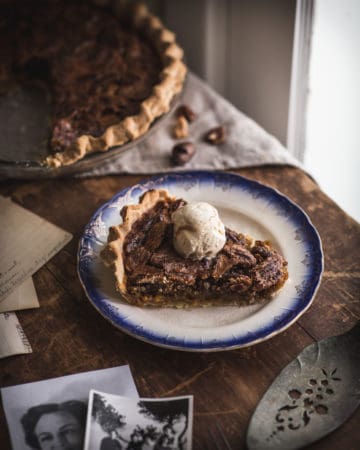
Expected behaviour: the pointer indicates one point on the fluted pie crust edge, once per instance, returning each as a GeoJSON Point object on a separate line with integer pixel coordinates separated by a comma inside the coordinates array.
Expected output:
{"type": "Point", "coordinates": [112, 254]}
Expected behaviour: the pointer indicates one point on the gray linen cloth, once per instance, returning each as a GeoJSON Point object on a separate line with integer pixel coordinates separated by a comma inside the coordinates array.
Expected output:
{"type": "Point", "coordinates": [247, 144]}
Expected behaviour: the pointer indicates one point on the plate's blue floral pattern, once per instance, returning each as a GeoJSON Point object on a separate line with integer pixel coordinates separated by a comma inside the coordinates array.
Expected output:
{"type": "Point", "coordinates": [304, 237]}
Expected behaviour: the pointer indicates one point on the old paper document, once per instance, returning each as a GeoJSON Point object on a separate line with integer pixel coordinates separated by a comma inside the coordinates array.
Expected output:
{"type": "Point", "coordinates": [12, 337]}
{"type": "Point", "coordinates": [23, 297]}
{"type": "Point", "coordinates": [27, 242]}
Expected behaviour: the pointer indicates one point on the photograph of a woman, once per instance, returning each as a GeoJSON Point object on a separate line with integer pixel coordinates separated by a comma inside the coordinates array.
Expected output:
{"type": "Point", "coordinates": [55, 426]}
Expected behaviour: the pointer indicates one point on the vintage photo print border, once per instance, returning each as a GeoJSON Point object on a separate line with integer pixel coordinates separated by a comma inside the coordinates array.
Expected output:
{"type": "Point", "coordinates": [116, 422]}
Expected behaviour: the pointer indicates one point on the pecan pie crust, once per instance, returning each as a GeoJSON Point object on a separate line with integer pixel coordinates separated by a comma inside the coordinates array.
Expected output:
{"type": "Point", "coordinates": [149, 272]}
{"type": "Point", "coordinates": [112, 68]}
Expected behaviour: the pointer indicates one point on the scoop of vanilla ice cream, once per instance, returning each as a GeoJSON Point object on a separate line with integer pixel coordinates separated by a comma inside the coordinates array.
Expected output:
{"type": "Point", "coordinates": [198, 231]}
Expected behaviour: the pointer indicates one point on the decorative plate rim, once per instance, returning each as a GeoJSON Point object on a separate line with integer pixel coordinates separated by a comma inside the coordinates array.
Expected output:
{"type": "Point", "coordinates": [259, 335]}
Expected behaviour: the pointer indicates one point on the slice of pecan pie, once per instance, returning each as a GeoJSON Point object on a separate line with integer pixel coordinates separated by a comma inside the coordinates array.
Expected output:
{"type": "Point", "coordinates": [110, 67]}
{"type": "Point", "coordinates": [149, 271]}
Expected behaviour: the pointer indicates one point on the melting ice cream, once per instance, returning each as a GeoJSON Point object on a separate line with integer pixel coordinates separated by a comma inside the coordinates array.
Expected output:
{"type": "Point", "coordinates": [198, 231]}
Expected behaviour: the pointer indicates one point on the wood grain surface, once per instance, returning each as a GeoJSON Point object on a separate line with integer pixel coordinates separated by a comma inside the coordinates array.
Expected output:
{"type": "Point", "coordinates": [68, 336]}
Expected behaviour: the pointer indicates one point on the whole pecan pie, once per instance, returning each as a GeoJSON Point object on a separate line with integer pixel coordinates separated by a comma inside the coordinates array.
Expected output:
{"type": "Point", "coordinates": [111, 70]}
{"type": "Point", "coordinates": [149, 271]}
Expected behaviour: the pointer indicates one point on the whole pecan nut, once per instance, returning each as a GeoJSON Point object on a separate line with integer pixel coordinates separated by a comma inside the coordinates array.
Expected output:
{"type": "Point", "coordinates": [182, 153]}
{"type": "Point", "coordinates": [185, 111]}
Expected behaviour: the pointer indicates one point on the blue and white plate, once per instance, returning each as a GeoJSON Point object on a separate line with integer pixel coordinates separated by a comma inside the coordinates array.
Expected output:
{"type": "Point", "coordinates": [244, 205]}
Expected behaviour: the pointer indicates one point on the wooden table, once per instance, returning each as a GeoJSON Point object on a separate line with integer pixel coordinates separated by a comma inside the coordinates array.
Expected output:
{"type": "Point", "coordinates": [68, 336]}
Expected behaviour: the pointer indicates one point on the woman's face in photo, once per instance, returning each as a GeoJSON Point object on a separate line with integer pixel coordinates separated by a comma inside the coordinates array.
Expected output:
{"type": "Point", "coordinates": [59, 431]}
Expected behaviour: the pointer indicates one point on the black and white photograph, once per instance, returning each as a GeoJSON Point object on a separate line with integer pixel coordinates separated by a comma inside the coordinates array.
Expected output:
{"type": "Point", "coordinates": [51, 414]}
{"type": "Point", "coordinates": [117, 423]}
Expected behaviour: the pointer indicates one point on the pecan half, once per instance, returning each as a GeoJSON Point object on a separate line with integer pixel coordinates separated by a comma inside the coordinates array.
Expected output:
{"type": "Point", "coordinates": [215, 136]}
{"type": "Point", "coordinates": [181, 128]}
